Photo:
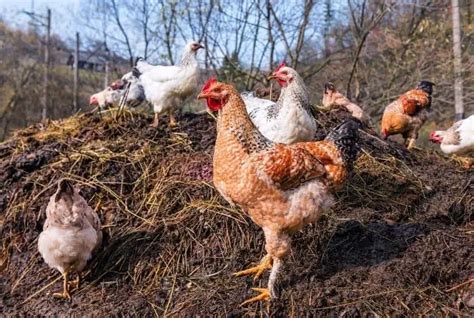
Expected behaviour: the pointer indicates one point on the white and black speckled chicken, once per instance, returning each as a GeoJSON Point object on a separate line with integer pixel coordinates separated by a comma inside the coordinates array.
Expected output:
{"type": "Point", "coordinates": [70, 234]}
{"type": "Point", "coordinates": [288, 120]}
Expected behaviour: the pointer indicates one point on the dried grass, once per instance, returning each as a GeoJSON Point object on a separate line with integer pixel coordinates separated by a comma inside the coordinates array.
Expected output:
{"type": "Point", "coordinates": [171, 240]}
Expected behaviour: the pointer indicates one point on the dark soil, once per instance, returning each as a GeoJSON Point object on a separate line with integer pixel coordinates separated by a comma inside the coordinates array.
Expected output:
{"type": "Point", "coordinates": [398, 242]}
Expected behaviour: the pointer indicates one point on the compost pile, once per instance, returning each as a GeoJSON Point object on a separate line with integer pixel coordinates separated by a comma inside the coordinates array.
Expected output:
{"type": "Point", "coordinates": [398, 241]}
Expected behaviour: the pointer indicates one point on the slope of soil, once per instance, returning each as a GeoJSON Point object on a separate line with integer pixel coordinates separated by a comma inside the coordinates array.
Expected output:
{"type": "Point", "coordinates": [398, 242]}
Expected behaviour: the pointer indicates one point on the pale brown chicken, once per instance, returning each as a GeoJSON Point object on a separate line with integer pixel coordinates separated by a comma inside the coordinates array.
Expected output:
{"type": "Point", "coordinates": [408, 113]}
{"type": "Point", "coordinates": [332, 98]}
{"type": "Point", "coordinates": [70, 234]}
{"type": "Point", "coordinates": [282, 187]}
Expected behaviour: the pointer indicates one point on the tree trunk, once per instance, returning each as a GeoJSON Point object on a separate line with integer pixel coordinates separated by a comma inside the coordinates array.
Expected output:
{"type": "Point", "coordinates": [44, 112]}
{"type": "Point", "coordinates": [76, 75]}
{"type": "Point", "coordinates": [458, 103]}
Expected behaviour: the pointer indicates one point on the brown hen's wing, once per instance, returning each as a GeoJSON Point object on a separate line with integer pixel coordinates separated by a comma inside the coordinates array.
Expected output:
{"type": "Point", "coordinates": [329, 156]}
{"type": "Point", "coordinates": [415, 100]}
{"type": "Point", "coordinates": [288, 166]}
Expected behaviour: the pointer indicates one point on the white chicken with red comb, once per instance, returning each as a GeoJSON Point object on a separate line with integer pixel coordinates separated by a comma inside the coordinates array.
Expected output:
{"type": "Point", "coordinates": [167, 87]}
{"type": "Point", "coordinates": [458, 140]}
{"type": "Point", "coordinates": [289, 119]}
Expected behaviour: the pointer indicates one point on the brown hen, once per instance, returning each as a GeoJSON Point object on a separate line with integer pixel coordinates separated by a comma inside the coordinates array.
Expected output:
{"type": "Point", "coordinates": [332, 98]}
{"type": "Point", "coordinates": [408, 113]}
{"type": "Point", "coordinates": [282, 187]}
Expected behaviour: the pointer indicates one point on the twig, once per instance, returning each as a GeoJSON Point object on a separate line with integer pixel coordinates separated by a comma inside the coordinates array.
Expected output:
{"type": "Point", "coordinates": [124, 98]}
{"type": "Point", "coordinates": [470, 281]}
{"type": "Point", "coordinates": [39, 291]}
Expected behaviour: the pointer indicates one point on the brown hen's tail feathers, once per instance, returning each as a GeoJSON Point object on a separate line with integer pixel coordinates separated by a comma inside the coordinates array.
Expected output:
{"type": "Point", "coordinates": [426, 86]}
{"type": "Point", "coordinates": [346, 138]}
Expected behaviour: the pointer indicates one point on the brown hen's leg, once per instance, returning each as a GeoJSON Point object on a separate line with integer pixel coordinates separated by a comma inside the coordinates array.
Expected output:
{"type": "Point", "coordinates": [155, 121]}
{"type": "Point", "coordinates": [173, 122]}
{"type": "Point", "coordinates": [65, 294]}
{"type": "Point", "coordinates": [411, 143]}
{"type": "Point", "coordinates": [267, 293]}
{"type": "Point", "coordinates": [265, 263]}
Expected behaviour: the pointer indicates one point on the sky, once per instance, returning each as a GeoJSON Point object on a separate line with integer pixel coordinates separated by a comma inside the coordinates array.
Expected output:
{"type": "Point", "coordinates": [68, 17]}
{"type": "Point", "coordinates": [61, 10]}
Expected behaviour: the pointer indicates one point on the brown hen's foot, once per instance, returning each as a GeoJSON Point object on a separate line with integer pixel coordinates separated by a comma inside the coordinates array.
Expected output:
{"type": "Point", "coordinates": [155, 122]}
{"type": "Point", "coordinates": [265, 264]}
{"type": "Point", "coordinates": [411, 144]}
{"type": "Point", "coordinates": [65, 294]}
{"type": "Point", "coordinates": [263, 296]}
{"type": "Point", "coordinates": [465, 162]}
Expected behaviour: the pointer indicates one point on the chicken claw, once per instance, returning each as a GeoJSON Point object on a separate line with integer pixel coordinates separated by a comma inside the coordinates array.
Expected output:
{"type": "Point", "coordinates": [265, 263]}
{"type": "Point", "coordinates": [65, 294]}
{"type": "Point", "coordinates": [263, 296]}
{"type": "Point", "coordinates": [465, 162]}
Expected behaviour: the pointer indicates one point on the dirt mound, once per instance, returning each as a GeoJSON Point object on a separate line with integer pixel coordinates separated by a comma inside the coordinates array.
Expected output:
{"type": "Point", "coordinates": [398, 241]}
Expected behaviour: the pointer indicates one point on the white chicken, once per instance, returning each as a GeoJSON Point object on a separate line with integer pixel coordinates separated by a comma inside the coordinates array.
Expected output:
{"type": "Point", "coordinates": [70, 234]}
{"type": "Point", "coordinates": [458, 140]}
{"type": "Point", "coordinates": [289, 119]}
{"type": "Point", "coordinates": [166, 87]}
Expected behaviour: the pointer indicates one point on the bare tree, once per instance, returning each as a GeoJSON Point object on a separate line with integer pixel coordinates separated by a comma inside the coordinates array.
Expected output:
{"type": "Point", "coordinates": [75, 92]}
{"type": "Point", "coordinates": [458, 83]}
{"type": "Point", "coordinates": [361, 29]}
{"type": "Point", "coordinates": [47, 65]}
{"type": "Point", "coordinates": [118, 21]}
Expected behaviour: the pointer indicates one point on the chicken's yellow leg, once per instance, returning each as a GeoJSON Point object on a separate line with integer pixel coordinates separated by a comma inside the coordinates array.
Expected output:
{"type": "Point", "coordinates": [267, 293]}
{"type": "Point", "coordinates": [65, 294]}
{"type": "Point", "coordinates": [155, 121]}
{"type": "Point", "coordinates": [411, 143]}
{"type": "Point", "coordinates": [173, 122]}
{"type": "Point", "coordinates": [265, 263]}
{"type": "Point", "coordinates": [464, 161]}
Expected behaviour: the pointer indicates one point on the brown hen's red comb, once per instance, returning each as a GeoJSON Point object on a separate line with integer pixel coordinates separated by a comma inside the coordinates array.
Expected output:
{"type": "Point", "coordinates": [282, 64]}
{"type": "Point", "coordinates": [208, 84]}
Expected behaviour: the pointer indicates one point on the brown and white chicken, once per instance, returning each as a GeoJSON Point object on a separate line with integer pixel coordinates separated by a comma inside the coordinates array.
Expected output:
{"type": "Point", "coordinates": [70, 234]}
{"type": "Point", "coordinates": [282, 187]}
{"type": "Point", "coordinates": [332, 98]}
{"type": "Point", "coordinates": [408, 113]}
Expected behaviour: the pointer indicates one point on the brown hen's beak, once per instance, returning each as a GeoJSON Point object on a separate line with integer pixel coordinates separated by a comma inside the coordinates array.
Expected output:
{"type": "Point", "coordinates": [271, 76]}
{"type": "Point", "coordinates": [201, 46]}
